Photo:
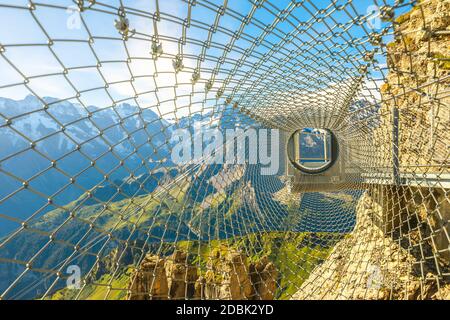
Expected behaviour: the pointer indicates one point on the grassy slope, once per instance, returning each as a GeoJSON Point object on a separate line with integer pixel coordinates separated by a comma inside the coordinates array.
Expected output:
{"type": "Point", "coordinates": [103, 289]}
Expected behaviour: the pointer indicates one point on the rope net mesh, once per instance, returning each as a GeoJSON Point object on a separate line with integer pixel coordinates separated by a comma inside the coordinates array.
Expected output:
{"type": "Point", "coordinates": [94, 206]}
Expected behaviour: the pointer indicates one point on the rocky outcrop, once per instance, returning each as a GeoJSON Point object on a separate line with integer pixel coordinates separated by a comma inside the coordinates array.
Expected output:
{"type": "Point", "coordinates": [400, 246]}
{"type": "Point", "coordinates": [181, 276]}
{"type": "Point", "coordinates": [416, 215]}
{"type": "Point", "coordinates": [232, 277]}
{"type": "Point", "coordinates": [235, 282]}
{"type": "Point", "coordinates": [367, 264]}
{"type": "Point", "coordinates": [417, 86]}
{"type": "Point", "coordinates": [263, 275]}
{"type": "Point", "coordinates": [229, 275]}
{"type": "Point", "coordinates": [164, 278]}
{"type": "Point", "coordinates": [150, 281]}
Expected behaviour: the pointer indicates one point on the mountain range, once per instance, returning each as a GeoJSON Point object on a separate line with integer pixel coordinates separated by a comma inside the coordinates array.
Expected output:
{"type": "Point", "coordinates": [86, 144]}
{"type": "Point", "coordinates": [132, 205]}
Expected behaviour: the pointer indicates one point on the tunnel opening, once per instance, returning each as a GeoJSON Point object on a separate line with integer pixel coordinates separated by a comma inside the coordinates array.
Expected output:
{"type": "Point", "coordinates": [312, 150]}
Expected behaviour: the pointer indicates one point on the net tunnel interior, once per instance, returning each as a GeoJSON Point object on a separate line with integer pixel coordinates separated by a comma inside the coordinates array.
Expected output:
{"type": "Point", "coordinates": [145, 149]}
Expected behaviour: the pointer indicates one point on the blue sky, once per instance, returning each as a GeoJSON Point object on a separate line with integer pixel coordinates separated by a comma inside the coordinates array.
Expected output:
{"type": "Point", "coordinates": [21, 28]}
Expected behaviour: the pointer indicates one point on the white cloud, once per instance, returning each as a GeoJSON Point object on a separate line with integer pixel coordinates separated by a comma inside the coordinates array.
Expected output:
{"type": "Point", "coordinates": [309, 142]}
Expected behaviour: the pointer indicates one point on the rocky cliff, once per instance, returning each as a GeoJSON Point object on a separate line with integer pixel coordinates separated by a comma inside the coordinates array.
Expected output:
{"type": "Point", "coordinates": [400, 246]}
{"type": "Point", "coordinates": [367, 264]}
{"type": "Point", "coordinates": [253, 267]}
{"type": "Point", "coordinates": [228, 276]}
{"type": "Point", "coordinates": [417, 86]}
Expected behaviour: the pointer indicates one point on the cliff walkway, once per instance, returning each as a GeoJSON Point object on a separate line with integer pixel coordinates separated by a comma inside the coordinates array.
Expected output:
{"type": "Point", "coordinates": [206, 149]}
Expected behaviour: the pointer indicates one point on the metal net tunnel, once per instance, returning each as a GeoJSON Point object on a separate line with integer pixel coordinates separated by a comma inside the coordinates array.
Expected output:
{"type": "Point", "coordinates": [151, 149]}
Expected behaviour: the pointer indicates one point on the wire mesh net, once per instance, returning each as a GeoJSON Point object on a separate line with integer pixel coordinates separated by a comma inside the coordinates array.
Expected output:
{"type": "Point", "coordinates": [145, 149]}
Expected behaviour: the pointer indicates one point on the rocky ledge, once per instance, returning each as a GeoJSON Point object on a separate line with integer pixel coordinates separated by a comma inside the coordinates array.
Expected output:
{"type": "Point", "coordinates": [367, 264]}
{"type": "Point", "coordinates": [228, 276]}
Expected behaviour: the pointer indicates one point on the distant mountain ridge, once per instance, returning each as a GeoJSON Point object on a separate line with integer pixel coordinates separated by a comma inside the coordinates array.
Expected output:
{"type": "Point", "coordinates": [76, 138]}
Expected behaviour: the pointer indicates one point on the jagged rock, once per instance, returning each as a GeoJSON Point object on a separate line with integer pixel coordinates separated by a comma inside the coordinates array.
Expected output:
{"type": "Point", "coordinates": [236, 282]}
{"type": "Point", "coordinates": [264, 278]}
{"type": "Point", "coordinates": [181, 276]}
{"type": "Point", "coordinates": [211, 286]}
{"type": "Point", "coordinates": [229, 275]}
{"type": "Point", "coordinates": [416, 58]}
{"type": "Point", "coordinates": [199, 287]}
{"type": "Point", "coordinates": [360, 266]}
{"type": "Point", "coordinates": [150, 281]}
{"type": "Point", "coordinates": [369, 264]}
